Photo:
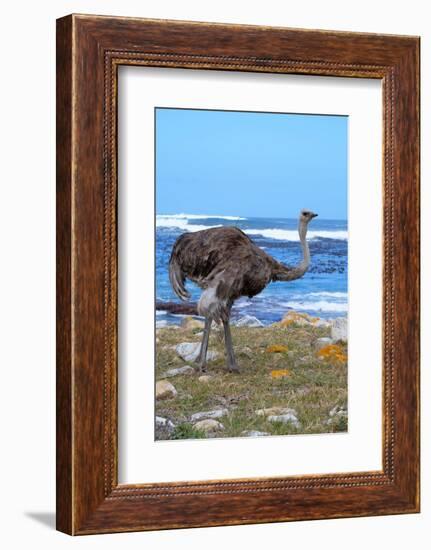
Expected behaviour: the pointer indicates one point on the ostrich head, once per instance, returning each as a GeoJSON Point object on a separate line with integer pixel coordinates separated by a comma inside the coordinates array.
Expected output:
{"type": "Point", "coordinates": [305, 216]}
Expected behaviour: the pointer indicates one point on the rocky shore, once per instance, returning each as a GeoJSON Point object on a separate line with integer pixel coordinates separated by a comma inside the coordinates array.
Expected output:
{"type": "Point", "coordinates": [293, 379]}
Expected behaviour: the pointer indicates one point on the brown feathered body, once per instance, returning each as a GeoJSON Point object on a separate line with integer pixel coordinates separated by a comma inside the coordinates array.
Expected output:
{"type": "Point", "coordinates": [226, 264]}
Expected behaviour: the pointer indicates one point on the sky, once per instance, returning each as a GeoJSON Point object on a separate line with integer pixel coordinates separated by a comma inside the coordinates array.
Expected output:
{"type": "Point", "coordinates": [235, 163]}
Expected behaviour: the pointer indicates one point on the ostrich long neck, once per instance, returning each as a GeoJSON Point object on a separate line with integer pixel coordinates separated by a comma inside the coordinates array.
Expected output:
{"type": "Point", "coordinates": [286, 273]}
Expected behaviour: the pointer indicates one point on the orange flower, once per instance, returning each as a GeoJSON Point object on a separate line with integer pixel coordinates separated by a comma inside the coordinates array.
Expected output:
{"type": "Point", "coordinates": [276, 348]}
{"type": "Point", "coordinates": [332, 354]}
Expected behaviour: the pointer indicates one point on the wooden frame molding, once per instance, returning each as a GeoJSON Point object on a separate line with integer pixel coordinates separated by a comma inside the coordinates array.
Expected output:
{"type": "Point", "coordinates": [89, 51]}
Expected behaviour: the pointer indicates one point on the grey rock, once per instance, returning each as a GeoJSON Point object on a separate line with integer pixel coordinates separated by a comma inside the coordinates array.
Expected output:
{"type": "Point", "coordinates": [164, 422]}
{"type": "Point", "coordinates": [205, 378]}
{"type": "Point", "coordinates": [338, 411]}
{"type": "Point", "coordinates": [339, 329]}
{"type": "Point", "coordinates": [187, 369]}
{"type": "Point", "coordinates": [249, 321]}
{"type": "Point", "coordinates": [274, 411]}
{"type": "Point", "coordinates": [189, 351]}
{"type": "Point", "coordinates": [217, 413]}
{"type": "Point", "coordinates": [209, 426]}
{"type": "Point", "coordinates": [288, 418]}
{"type": "Point", "coordinates": [322, 323]}
{"type": "Point", "coordinates": [165, 390]}
{"type": "Point", "coordinates": [322, 342]}
{"type": "Point", "coordinates": [190, 323]}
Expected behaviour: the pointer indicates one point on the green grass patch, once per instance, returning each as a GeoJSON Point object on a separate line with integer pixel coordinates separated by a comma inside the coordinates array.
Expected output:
{"type": "Point", "coordinates": [312, 387]}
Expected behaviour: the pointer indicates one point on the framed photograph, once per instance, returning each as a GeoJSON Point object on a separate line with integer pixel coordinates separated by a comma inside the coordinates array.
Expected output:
{"type": "Point", "coordinates": [237, 274]}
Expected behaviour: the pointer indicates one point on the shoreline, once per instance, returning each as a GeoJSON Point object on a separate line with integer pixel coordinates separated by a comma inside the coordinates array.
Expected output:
{"type": "Point", "coordinates": [184, 311]}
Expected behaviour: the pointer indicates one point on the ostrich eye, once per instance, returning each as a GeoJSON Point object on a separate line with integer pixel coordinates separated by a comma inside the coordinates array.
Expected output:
{"type": "Point", "coordinates": [306, 213]}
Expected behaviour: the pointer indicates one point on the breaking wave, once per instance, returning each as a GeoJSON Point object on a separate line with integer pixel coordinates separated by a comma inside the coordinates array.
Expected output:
{"type": "Point", "coordinates": [292, 235]}
{"type": "Point", "coordinates": [198, 217]}
{"type": "Point", "coordinates": [181, 221]}
{"type": "Point", "coordinates": [321, 305]}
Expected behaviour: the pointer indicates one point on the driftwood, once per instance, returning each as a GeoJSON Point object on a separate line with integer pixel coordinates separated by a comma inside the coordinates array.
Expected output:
{"type": "Point", "coordinates": [189, 308]}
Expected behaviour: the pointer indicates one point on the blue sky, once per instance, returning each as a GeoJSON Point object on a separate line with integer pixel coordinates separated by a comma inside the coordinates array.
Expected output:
{"type": "Point", "coordinates": [248, 164]}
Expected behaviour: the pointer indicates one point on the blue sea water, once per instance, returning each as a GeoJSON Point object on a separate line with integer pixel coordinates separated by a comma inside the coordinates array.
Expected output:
{"type": "Point", "coordinates": [321, 292]}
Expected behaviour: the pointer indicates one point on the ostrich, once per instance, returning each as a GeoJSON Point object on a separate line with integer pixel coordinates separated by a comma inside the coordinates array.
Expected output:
{"type": "Point", "coordinates": [226, 264]}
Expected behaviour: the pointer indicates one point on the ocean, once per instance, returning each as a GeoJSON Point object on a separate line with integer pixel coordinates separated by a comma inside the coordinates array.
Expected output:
{"type": "Point", "coordinates": [321, 292]}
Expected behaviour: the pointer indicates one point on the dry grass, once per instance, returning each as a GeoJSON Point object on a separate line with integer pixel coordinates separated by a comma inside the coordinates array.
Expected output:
{"type": "Point", "coordinates": [279, 367]}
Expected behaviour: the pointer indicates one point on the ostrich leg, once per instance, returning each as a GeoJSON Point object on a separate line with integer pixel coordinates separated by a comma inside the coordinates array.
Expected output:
{"type": "Point", "coordinates": [202, 358]}
{"type": "Point", "coordinates": [231, 362]}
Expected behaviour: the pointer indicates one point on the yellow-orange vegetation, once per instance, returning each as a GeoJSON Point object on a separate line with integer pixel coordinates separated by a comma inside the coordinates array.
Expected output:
{"type": "Point", "coordinates": [281, 373]}
{"type": "Point", "coordinates": [276, 348]}
{"type": "Point", "coordinates": [293, 317]}
{"type": "Point", "coordinates": [332, 353]}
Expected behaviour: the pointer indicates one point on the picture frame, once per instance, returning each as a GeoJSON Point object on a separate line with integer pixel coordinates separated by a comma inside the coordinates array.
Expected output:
{"type": "Point", "coordinates": [89, 51]}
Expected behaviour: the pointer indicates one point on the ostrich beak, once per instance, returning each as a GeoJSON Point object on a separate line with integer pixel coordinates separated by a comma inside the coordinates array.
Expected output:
{"type": "Point", "coordinates": [314, 216]}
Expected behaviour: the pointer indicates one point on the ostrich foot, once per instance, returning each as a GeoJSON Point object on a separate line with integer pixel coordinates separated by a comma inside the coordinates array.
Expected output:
{"type": "Point", "coordinates": [233, 367]}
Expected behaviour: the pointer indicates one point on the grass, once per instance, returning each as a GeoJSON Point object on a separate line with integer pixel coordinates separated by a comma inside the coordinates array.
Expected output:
{"type": "Point", "coordinates": [280, 366]}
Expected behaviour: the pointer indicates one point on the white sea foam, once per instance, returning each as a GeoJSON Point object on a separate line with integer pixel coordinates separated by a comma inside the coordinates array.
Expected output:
{"type": "Point", "coordinates": [242, 302]}
{"type": "Point", "coordinates": [180, 223]}
{"type": "Point", "coordinates": [322, 294]}
{"type": "Point", "coordinates": [322, 305]}
{"type": "Point", "coordinates": [292, 234]}
{"type": "Point", "coordinates": [199, 217]}
{"type": "Point", "coordinates": [331, 294]}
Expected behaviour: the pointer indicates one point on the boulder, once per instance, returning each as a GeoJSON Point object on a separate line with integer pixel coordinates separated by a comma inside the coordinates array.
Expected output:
{"type": "Point", "coordinates": [287, 418]}
{"type": "Point", "coordinates": [164, 422]}
{"type": "Point", "coordinates": [209, 426]}
{"type": "Point", "coordinates": [189, 351]}
{"type": "Point", "coordinates": [339, 411]}
{"type": "Point", "coordinates": [189, 323]}
{"type": "Point", "coordinates": [301, 319]}
{"type": "Point", "coordinates": [339, 328]}
{"type": "Point", "coordinates": [322, 323]}
{"type": "Point", "coordinates": [217, 413]}
{"type": "Point", "coordinates": [322, 342]}
{"type": "Point", "coordinates": [187, 369]}
{"type": "Point", "coordinates": [249, 321]}
{"type": "Point", "coordinates": [205, 378]}
{"type": "Point", "coordinates": [271, 411]}
{"type": "Point", "coordinates": [336, 415]}
{"type": "Point", "coordinates": [165, 390]}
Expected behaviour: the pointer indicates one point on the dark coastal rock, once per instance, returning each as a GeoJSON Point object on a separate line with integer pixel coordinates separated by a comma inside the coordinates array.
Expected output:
{"type": "Point", "coordinates": [177, 308]}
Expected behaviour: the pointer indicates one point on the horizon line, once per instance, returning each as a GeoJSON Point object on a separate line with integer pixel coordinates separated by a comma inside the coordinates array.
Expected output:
{"type": "Point", "coordinates": [242, 217]}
